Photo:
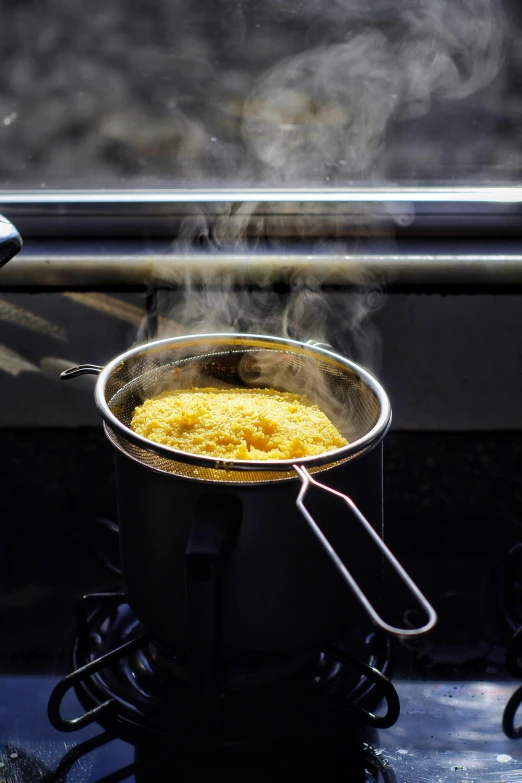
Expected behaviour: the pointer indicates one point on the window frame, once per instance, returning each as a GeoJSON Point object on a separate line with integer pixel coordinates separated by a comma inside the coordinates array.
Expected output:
{"type": "Point", "coordinates": [410, 239]}
{"type": "Point", "coordinates": [406, 211]}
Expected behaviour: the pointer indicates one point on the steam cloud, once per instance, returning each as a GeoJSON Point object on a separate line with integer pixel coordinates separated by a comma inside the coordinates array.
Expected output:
{"type": "Point", "coordinates": [323, 115]}
{"type": "Point", "coordinates": [328, 109]}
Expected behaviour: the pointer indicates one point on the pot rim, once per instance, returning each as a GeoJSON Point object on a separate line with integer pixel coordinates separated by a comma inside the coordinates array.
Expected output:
{"type": "Point", "coordinates": [372, 437]}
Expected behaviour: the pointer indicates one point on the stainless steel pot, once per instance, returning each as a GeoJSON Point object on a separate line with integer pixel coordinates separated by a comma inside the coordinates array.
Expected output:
{"type": "Point", "coordinates": [223, 555]}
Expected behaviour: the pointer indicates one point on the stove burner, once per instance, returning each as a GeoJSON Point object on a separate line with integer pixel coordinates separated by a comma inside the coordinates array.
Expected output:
{"type": "Point", "coordinates": [513, 665]}
{"type": "Point", "coordinates": [134, 690]}
{"type": "Point", "coordinates": [511, 602]}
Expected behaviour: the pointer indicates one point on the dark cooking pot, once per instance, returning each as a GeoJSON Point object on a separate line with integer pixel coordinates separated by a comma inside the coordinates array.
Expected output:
{"type": "Point", "coordinates": [221, 554]}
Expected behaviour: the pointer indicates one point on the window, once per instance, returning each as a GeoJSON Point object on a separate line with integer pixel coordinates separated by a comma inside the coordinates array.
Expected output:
{"type": "Point", "coordinates": [118, 94]}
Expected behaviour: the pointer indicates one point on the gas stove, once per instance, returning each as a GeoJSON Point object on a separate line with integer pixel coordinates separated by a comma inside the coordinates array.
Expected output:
{"type": "Point", "coordinates": [134, 689]}
{"type": "Point", "coordinates": [298, 716]}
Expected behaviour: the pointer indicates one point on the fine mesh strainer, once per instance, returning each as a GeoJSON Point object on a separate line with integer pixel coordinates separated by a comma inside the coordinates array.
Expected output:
{"type": "Point", "coordinates": [351, 397]}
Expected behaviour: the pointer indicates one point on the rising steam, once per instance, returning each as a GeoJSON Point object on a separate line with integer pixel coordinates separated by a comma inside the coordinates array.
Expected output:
{"type": "Point", "coordinates": [325, 112]}
{"type": "Point", "coordinates": [325, 115]}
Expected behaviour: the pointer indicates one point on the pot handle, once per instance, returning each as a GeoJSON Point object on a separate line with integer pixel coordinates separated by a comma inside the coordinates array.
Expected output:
{"type": "Point", "coordinates": [80, 369]}
{"type": "Point", "coordinates": [306, 481]}
{"type": "Point", "coordinates": [212, 538]}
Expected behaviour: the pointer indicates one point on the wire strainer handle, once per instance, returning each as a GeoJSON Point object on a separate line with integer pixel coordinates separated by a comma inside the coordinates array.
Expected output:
{"type": "Point", "coordinates": [306, 480]}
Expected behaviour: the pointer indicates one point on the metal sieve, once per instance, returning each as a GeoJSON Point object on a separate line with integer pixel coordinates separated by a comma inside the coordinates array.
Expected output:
{"type": "Point", "coordinates": [354, 401]}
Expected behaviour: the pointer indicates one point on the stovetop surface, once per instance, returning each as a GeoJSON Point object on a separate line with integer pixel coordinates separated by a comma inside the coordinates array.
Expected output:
{"type": "Point", "coordinates": [453, 685]}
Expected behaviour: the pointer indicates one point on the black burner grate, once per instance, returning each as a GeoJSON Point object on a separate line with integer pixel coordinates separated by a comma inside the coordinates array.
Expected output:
{"type": "Point", "coordinates": [122, 681]}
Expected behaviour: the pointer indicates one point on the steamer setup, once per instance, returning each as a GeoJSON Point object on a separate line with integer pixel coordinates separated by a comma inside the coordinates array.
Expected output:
{"type": "Point", "coordinates": [233, 594]}
{"type": "Point", "coordinates": [252, 616]}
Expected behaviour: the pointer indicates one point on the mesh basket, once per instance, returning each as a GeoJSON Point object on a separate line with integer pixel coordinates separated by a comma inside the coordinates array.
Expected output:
{"type": "Point", "coordinates": [352, 399]}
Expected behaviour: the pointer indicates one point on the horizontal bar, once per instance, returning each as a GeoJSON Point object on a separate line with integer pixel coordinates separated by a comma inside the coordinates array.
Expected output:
{"type": "Point", "coordinates": [253, 214]}
{"type": "Point", "coordinates": [98, 270]}
{"type": "Point", "coordinates": [477, 195]}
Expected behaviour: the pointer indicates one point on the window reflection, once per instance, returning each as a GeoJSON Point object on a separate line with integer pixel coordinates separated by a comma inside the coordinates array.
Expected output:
{"type": "Point", "coordinates": [251, 93]}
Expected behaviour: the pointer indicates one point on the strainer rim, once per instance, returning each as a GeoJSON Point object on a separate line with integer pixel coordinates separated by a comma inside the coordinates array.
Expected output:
{"type": "Point", "coordinates": [375, 434]}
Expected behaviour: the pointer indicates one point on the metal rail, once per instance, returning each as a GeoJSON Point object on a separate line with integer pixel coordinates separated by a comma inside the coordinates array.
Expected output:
{"type": "Point", "coordinates": [68, 268]}
{"type": "Point", "coordinates": [404, 238]}
{"type": "Point", "coordinates": [143, 197]}
{"type": "Point", "coordinates": [279, 213]}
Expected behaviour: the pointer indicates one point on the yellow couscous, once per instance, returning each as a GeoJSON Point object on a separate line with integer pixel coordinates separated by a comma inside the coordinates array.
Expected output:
{"type": "Point", "coordinates": [237, 423]}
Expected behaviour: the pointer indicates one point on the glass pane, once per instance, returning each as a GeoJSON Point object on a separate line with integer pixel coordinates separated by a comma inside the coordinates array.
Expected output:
{"type": "Point", "coordinates": [259, 93]}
